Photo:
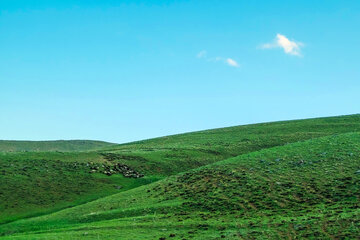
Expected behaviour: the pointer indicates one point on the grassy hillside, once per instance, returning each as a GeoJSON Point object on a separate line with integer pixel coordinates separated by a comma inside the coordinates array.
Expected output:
{"type": "Point", "coordinates": [38, 183]}
{"type": "Point", "coordinates": [46, 146]}
{"type": "Point", "coordinates": [303, 190]}
{"type": "Point", "coordinates": [36, 186]}
{"type": "Point", "coordinates": [173, 154]}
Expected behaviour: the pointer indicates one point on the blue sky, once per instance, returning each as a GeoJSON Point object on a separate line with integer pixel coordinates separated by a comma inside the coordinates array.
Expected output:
{"type": "Point", "coordinates": [127, 70]}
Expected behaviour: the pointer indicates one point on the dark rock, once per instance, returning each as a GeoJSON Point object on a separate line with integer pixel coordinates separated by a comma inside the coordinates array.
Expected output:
{"type": "Point", "coordinates": [118, 168]}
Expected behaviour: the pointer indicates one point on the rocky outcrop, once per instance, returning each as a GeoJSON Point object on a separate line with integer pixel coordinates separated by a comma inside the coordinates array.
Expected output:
{"type": "Point", "coordinates": [117, 168]}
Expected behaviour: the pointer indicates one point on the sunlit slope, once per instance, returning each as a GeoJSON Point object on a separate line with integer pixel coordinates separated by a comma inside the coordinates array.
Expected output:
{"type": "Point", "coordinates": [306, 189]}
{"type": "Point", "coordinates": [173, 154]}
{"type": "Point", "coordinates": [45, 146]}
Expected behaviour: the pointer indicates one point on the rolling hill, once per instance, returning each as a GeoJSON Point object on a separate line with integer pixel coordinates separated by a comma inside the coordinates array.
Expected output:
{"type": "Point", "coordinates": [306, 190]}
{"type": "Point", "coordinates": [289, 179]}
{"type": "Point", "coordinates": [169, 155]}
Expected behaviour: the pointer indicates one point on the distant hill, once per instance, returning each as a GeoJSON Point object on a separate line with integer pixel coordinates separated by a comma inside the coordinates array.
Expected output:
{"type": "Point", "coordinates": [49, 146]}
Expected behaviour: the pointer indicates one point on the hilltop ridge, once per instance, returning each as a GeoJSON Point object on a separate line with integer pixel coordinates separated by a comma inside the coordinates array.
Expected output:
{"type": "Point", "coordinates": [48, 146]}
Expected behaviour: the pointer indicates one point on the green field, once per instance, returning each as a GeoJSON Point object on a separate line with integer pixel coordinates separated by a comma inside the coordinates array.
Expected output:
{"type": "Point", "coordinates": [282, 180]}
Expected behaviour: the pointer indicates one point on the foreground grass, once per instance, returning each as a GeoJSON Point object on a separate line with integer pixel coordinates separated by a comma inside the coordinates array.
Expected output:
{"type": "Point", "coordinates": [229, 226]}
{"type": "Point", "coordinates": [306, 189]}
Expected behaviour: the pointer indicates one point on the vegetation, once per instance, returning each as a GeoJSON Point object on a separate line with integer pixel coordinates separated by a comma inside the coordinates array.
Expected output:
{"type": "Point", "coordinates": [44, 146]}
{"type": "Point", "coordinates": [166, 156]}
{"type": "Point", "coordinates": [294, 179]}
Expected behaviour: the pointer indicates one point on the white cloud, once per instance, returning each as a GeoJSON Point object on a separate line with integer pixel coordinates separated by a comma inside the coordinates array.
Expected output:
{"type": "Point", "coordinates": [229, 61]}
{"type": "Point", "coordinates": [232, 62]}
{"type": "Point", "coordinates": [290, 47]}
{"type": "Point", "coordinates": [201, 54]}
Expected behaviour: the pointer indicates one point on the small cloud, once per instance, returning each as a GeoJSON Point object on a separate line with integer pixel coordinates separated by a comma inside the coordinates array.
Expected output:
{"type": "Point", "coordinates": [201, 54]}
{"type": "Point", "coordinates": [290, 47]}
{"type": "Point", "coordinates": [229, 61]}
{"type": "Point", "coordinates": [232, 62]}
{"type": "Point", "coordinates": [268, 45]}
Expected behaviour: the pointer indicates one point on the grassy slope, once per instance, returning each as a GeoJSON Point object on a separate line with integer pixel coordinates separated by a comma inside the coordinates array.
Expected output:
{"type": "Point", "coordinates": [43, 186]}
{"type": "Point", "coordinates": [307, 189]}
{"type": "Point", "coordinates": [34, 183]}
{"type": "Point", "coordinates": [43, 146]}
{"type": "Point", "coordinates": [173, 154]}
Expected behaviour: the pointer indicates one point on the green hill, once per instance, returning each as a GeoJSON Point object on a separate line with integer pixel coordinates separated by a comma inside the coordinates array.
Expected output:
{"type": "Point", "coordinates": [267, 171]}
{"type": "Point", "coordinates": [173, 154]}
{"type": "Point", "coordinates": [302, 190]}
{"type": "Point", "coordinates": [46, 146]}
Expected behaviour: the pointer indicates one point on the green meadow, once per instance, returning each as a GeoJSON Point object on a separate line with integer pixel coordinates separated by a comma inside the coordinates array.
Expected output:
{"type": "Point", "coordinates": [280, 180]}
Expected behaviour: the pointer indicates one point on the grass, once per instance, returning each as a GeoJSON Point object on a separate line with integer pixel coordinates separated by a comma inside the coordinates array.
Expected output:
{"type": "Point", "coordinates": [42, 146]}
{"type": "Point", "coordinates": [173, 154]}
{"type": "Point", "coordinates": [308, 189]}
{"type": "Point", "coordinates": [34, 187]}
{"type": "Point", "coordinates": [293, 180]}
